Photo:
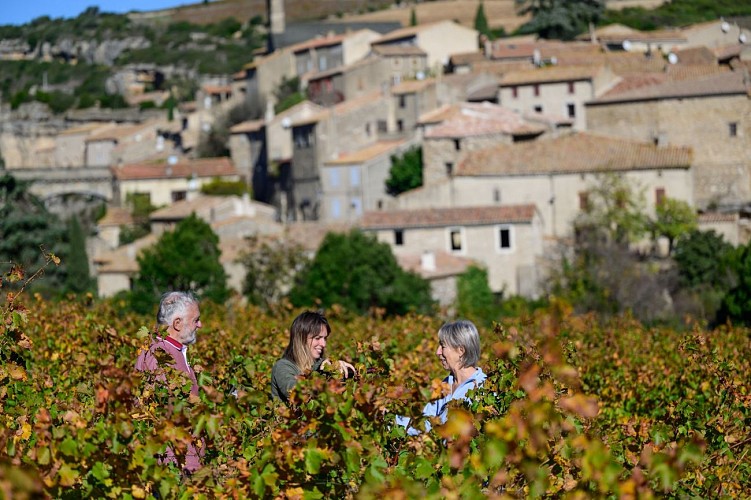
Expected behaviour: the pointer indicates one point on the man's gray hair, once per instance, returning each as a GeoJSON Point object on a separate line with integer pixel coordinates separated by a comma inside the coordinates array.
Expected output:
{"type": "Point", "coordinates": [174, 304]}
{"type": "Point", "coordinates": [464, 334]}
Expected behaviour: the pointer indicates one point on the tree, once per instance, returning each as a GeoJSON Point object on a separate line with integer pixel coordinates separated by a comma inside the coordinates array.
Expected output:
{"type": "Point", "coordinates": [78, 279]}
{"type": "Point", "coordinates": [359, 273]}
{"type": "Point", "coordinates": [560, 19]}
{"type": "Point", "coordinates": [271, 269]}
{"type": "Point", "coordinates": [614, 210]}
{"type": "Point", "coordinates": [736, 305]}
{"type": "Point", "coordinates": [288, 94]}
{"type": "Point", "coordinates": [27, 231]}
{"type": "Point", "coordinates": [413, 17]}
{"type": "Point", "coordinates": [702, 258]}
{"type": "Point", "coordinates": [674, 218]}
{"type": "Point", "coordinates": [474, 298]}
{"type": "Point", "coordinates": [184, 259]}
{"type": "Point", "coordinates": [481, 21]}
{"type": "Point", "coordinates": [405, 172]}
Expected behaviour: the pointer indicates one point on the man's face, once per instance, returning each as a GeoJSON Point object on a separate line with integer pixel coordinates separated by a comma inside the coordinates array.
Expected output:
{"type": "Point", "coordinates": [186, 327]}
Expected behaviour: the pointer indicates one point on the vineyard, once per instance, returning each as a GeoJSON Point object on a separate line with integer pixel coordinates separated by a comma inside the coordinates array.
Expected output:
{"type": "Point", "coordinates": [571, 407]}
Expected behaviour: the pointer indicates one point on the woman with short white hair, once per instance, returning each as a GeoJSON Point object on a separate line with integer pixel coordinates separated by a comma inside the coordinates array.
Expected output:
{"type": "Point", "coordinates": [459, 351]}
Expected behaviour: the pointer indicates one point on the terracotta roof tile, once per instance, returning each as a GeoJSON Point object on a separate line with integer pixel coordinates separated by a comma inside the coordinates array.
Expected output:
{"type": "Point", "coordinates": [115, 216]}
{"type": "Point", "coordinates": [442, 217]}
{"type": "Point", "coordinates": [574, 153]}
{"type": "Point", "coordinates": [217, 89]}
{"type": "Point", "coordinates": [621, 63]}
{"type": "Point", "coordinates": [482, 119]}
{"type": "Point", "coordinates": [118, 132]}
{"type": "Point", "coordinates": [693, 71]}
{"type": "Point", "coordinates": [550, 74]}
{"type": "Point", "coordinates": [317, 43]}
{"type": "Point", "coordinates": [341, 109]}
{"type": "Point", "coordinates": [696, 55]}
{"type": "Point", "coordinates": [729, 83]}
{"type": "Point", "coordinates": [407, 32]}
{"type": "Point", "coordinates": [412, 86]}
{"type": "Point", "coordinates": [466, 58]}
{"type": "Point", "coordinates": [248, 126]}
{"type": "Point", "coordinates": [204, 167]}
{"type": "Point", "coordinates": [714, 217]}
{"type": "Point", "coordinates": [366, 153]}
{"type": "Point", "coordinates": [183, 208]}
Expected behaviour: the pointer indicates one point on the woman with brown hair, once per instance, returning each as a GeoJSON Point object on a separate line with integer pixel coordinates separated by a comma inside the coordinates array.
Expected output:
{"type": "Point", "coordinates": [305, 352]}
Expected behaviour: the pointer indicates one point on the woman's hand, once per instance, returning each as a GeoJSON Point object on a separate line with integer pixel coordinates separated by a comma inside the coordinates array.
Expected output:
{"type": "Point", "coordinates": [346, 369]}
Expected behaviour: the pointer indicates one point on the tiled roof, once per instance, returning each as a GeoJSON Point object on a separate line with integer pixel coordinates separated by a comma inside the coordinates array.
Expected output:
{"type": "Point", "coordinates": [399, 50]}
{"type": "Point", "coordinates": [204, 167]}
{"type": "Point", "coordinates": [115, 216]}
{"type": "Point", "coordinates": [217, 89]}
{"type": "Point", "coordinates": [503, 49]}
{"type": "Point", "coordinates": [466, 58]}
{"type": "Point", "coordinates": [411, 86]}
{"type": "Point", "coordinates": [123, 259]}
{"type": "Point", "coordinates": [715, 217]}
{"type": "Point", "coordinates": [366, 153]}
{"type": "Point", "coordinates": [628, 83]}
{"type": "Point", "coordinates": [438, 115]}
{"type": "Point", "coordinates": [84, 129]}
{"type": "Point", "coordinates": [729, 83]}
{"type": "Point", "coordinates": [183, 208]}
{"type": "Point", "coordinates": [693, 71]}
{"type": "Point", "coordinates": [316, 43]}
{"type": "Point", "coordinates": [443, 217]}
{"type": "Point", "coordinates": [621, 63]}
{"type": "Point", "coordinates": [249, 126]}
{"type": "Point", "coordinates": [482, 119]}
{"type": "Point", "coordinates": [407, 32]}
{"type": "Point", "coordinates": [728, 51]}
{"type": "Point", "coordinates": [343, 108]}
{"type": "Point", "coordinates": [549, 74]}
{"type": "Point", "coordinates": [618, 33]}
{"type": "Point", "coordinates": [499, 68]}
{"type": "Point", "coordinates": [696, 55]}
{"type": "Point", "coordinates": [117, 132]}
{"type": "Point", "coordinates": [445, 265]}
{"type": "Point", "coordinates": [574, 153]}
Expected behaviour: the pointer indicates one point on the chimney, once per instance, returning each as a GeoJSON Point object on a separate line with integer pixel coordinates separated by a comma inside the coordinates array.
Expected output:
{"type": "Point", "coordinates": [427, 261]}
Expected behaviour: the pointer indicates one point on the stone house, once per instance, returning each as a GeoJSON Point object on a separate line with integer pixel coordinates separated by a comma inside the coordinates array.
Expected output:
{"type": "Point", "coordinates": [232, 218]}
{"type": "Point", "coordinates": [348, 126]}
{"type": "Point", "coordinates": [327, 88]}
{"type": "Point", "coordinates": [168, 182]}
{"type": "Point", "coordinates": [263, 76]}
{"type": "Point", "coordinates": [333, 51]}
{"type": "Point", "coordinates": [131, 143]}
{"type": "Point", "coordinates": [556, 175]}
{"type": "Point", "coordinates": [412, 99]}
{"type": "Point", "coordinates": [716, 34]}
{"type": "Point", "coordinates": [439, 40]}
{"type": "Point", "coordinates": [712, 115]}
{"type": "Point", "coordinates": [476, 86]}
{"type": "Point", "coordinates": [70, 145]}
{"type": "Point", "coordinates": [451, 131]}
{"type": "Point", "coordinates": [505, 239]}
{"type": "Point", "coordinates": [355, 182]}
{"type": "Point", "coordinates": [617, 37]}
{"type": "Point", "coordinates": [403, 62]}
{"type": "Point", "coordinates": [555, 90]}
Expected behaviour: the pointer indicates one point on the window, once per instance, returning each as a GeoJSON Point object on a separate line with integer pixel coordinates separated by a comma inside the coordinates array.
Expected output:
{"type": "Point", "coordinates": [659, 196]}
{"type": "Point", "coordinates": [571, 108]}
{"type": "Point", "coordinates": [504, 238]}
{"type": "Point", "coordinates": [455, 240]}
{"type": "Point", "coordinates": [356, 205]}
{"type": "Point", "coordinates": [380, 204]}
{"type": "Point", "coordinates": [336, 209]}
{"type": "Point", "coordinates": [496, 195]}
{"type": "Point", "coordinates": [449, 168]}
{"type": "Point", "coordinates": [367, 129]}
{"type": "Point", "coordinates": [382, 127]}
{"type": "Point", "coordinates": [457, 144]}
{"type": "Point", "coordinates": [538, 109]}
{"type": "Point", "coordinates": [583, 201]}
{"type": "Point", "coordinates": [354, 176]}
{"type": "Point", "coordinates": [733, 129]}
{"type": "Point", "coordinates": [398, 237]}
{"type": "Point", "coordinates": [303, 137]}
{"type": "Point", "coordinates": [322, 63]}
{"type": "Point", "coordinates": [570, 87]}
{"type": "Point", "coordinates": [400, 125]}
{"type": "Point", "coordinates": [179, 195]}
{"type": "Point", "coordinates": [402, 101]}
{"type": "Point", "coordinates": [536, 89]}
{"type": "Point", "coordinates": [514, 92]}
{"type": "Point", "coordinates": [334, 177]}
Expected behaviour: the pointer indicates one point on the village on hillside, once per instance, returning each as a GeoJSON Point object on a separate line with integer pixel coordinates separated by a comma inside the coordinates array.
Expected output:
{"type": "Point", "coordinates": [514, 134]}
